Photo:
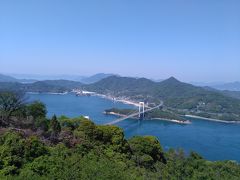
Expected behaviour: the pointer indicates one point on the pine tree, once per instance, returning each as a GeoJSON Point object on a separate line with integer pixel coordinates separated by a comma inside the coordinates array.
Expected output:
{"type": "Point", "coordinates": [55, 127]}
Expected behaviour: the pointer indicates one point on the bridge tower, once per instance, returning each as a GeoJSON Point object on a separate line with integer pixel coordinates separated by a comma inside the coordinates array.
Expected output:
{"type": "Point", "coordinates": [141, 110]}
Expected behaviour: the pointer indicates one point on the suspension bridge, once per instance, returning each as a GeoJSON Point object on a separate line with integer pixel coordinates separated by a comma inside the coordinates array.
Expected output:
{"type": "Point", "coordinates": [138, 113]}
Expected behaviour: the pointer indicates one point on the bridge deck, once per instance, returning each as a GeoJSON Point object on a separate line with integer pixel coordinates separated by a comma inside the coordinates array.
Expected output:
{"type": "Point", "coordinates": [132, 115]}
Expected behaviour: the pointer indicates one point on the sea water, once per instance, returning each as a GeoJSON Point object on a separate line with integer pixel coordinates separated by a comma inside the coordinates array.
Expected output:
{"type": "Point", "coordinates": [212, 140]}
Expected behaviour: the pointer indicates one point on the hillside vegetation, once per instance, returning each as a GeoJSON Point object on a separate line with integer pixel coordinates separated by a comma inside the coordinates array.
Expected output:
{"type": "Point", "coordinates": [54, 86]}
{"type": "Point", "coordinates": [177, 96]}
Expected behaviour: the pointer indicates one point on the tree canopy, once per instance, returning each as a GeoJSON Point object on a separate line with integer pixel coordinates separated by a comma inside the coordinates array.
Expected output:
{"type": "Point", "coordinates": [76, 148]}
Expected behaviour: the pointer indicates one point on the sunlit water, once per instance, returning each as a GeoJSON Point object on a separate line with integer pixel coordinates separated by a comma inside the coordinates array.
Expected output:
{"type": "Point", "coordinates": [213, 140]}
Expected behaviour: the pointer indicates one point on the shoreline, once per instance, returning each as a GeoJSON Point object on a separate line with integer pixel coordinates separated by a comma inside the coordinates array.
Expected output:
{"type": "Point", "coordinates": [64, 93]}
{"type": "Point", "coordinates": [173, 120]}
{"type": "Point", "coordinates": [212, 119]}
{"type": "Point", "coordinates": [112, 98]}
{"type": "Point", "coordinates": [129, 102]}
{"type": "Point", "coordinates": [114, 114]}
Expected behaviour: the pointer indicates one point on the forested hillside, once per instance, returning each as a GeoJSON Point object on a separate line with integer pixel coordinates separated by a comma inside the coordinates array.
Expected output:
{"type": "Point", "coordinates": [177, 96]}
{"type": "Point", "coordinates": [54, 86]}
{"type": "Point", "coordinates": [35, 147]}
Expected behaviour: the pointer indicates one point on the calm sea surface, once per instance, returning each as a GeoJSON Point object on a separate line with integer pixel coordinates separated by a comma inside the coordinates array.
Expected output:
{"type": "Point", "coordinates": [213, 140]}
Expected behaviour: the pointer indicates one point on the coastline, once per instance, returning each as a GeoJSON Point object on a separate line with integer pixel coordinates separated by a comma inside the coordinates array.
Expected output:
{"type": "Point", "coordinates": [214, 120]}
{"type": "Point", "coordinates": [112, 98]}
{"type": "Point", "coordinates": [113, 113]}
{"type": "Point", "coordinates": [170, 120]}
{"type": "Point", "coordinates": [173, 120]}
{"type": "Point", "coordinates": [126, 101]}
{"type": "Point", "coordinates": [47, 93]}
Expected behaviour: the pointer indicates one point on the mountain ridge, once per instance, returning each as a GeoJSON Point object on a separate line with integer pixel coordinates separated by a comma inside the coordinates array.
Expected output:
{"type": "Point", "coordinates": [54, 86]}
{"type": "Point", "coordinates": [94, 78]}
{"type": "Point", "coordinates": [232, 86]}
{"type": "Point", "coordinates": [83, 79]}
{"type": "Point", "coordinates": [177, 96]}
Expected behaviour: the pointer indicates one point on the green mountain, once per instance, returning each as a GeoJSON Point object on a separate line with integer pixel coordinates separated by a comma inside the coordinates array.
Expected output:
{"type": "Point", "coordinates": [136, 88]}
{"type": "Point", "coordinates": [11, 86]}
{"type": "Point", "coordinates": [52, 86]}
{"type": "Point", "coordinates": [177, 96]}
{"type": "Point", "coordinates": [5, 78]}
{"type": "Point", "coordinates": [55, 86]}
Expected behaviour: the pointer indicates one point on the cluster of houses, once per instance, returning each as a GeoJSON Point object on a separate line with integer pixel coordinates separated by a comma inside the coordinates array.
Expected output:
{"type": "Point", "coordinates": [79, 92]}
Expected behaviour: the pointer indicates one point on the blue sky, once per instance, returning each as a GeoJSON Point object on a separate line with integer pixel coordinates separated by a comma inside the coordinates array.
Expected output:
{"type": "Point", "coordinates": [191, 40]}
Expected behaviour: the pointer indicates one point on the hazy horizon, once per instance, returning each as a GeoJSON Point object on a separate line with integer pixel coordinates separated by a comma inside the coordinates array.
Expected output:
{"type": "Point", "coordinates": [194, 41]}
{"type": "Point", "coordinates": [77, 77]}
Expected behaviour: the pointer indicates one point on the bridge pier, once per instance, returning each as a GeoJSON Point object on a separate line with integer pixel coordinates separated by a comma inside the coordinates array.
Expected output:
{"type": "Point", "coordinates": [141, 110]}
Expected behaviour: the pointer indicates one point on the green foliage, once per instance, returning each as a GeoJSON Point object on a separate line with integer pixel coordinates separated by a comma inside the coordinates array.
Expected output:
{"type": "Point", "coordinates": [86, 133]}
{"type": "Point", "coordinates": [11, 153]}
{"type": "Point", "coordinates": [34, 148]}
{"type": "Point", "coordinates": [14, 112]}
{"type": "Point", "coordinates": [56, 86]}
{"type": "Point", "coordinates": [71, 123]}
{"type": "Point", "coordinates": [55, 126]}
{"type": "Point", "coordinates": [157, 113]}
{"type": "Point", "coordinates": [112, 136]}
{"type": "Point", "coordinates": [11, 103]}
{"type": "Point", "coordinates": [42, 124]}
{"type": "Point", "coordinates": [120, 111]}
{"type": "Point", "coordinates": [15, 150]}
{"type": "Point", "coordinates": [37, 110]}
{"type": "Point", "coordinates": [74, 166]}
{"type": "Point", "coordinates": [102, 152]}
{"type": "Point", "coordinates": [146, 150]}
{"type": "Point", "coordinates": [87, 130]}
